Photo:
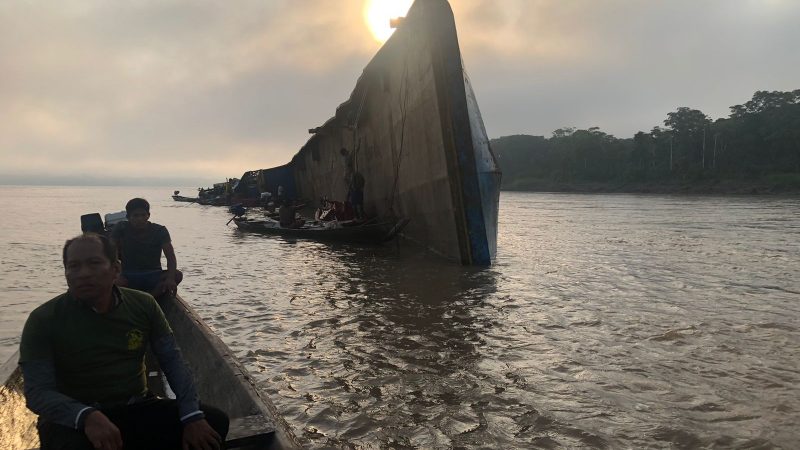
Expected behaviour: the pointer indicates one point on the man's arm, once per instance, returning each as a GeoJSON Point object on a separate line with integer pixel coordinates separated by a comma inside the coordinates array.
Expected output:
{"type": "Point", "coordinates": [178, 375]}
{"type": "Point", "coordinates": [43, 398]}
{"type": "Point", "coordinates": [197, 433]}
{"type": "Point", "coordinates": [36, 357]}
{"type": "Point", "coordinates": [172, 267]}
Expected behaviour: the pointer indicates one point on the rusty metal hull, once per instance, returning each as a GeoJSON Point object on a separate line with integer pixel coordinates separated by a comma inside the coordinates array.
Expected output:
{"type": "Point", "coordinates": [413, 130]}
{"type": "Point", "coordinates": [220, 378]}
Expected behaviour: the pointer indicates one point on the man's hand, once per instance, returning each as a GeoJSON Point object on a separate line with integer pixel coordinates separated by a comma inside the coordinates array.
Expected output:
{"type": "Point", "coordinates": [199, 435]}
{"type": "Point", "coordinates": [168, 286]}
{"type": "Point", "coordinates": [102, 433]}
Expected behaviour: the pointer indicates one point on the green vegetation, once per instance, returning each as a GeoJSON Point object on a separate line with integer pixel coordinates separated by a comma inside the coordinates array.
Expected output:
{"type": "Point", "coordinates": [756, 149]}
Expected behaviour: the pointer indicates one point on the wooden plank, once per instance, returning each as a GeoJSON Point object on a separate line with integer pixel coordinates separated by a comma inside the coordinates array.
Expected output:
{"type": "Point", "coordinates": [251, 432]}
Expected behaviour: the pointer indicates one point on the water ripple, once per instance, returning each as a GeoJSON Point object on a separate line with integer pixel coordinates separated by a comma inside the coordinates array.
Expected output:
{"type": "Point", "coordinates": [608, 321]}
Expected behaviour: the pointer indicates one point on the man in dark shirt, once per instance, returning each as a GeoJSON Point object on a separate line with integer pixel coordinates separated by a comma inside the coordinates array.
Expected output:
{"type": "Point", "coordinates": [355, 195]}
{"type": "Point", "coordinates": [82, 357]}
{"type": "Point", "coordinates": [287, 215]}
{"type": "Point", "coordinates": [141, 243]}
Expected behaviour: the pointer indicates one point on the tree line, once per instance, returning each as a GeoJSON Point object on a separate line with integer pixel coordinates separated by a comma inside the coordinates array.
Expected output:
{"type": "Point", "coordinates": [758, 142]}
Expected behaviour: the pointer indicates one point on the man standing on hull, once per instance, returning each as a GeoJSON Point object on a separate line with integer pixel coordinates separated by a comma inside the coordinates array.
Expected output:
{"type": "Point", "coordinates": [82, 357]}
{"type": "Point", "coordinates": [141, 243]}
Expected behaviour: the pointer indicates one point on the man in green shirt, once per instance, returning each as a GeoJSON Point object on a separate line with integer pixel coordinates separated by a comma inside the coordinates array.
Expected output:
{"type": "Point", "coordinates": [82, 357]}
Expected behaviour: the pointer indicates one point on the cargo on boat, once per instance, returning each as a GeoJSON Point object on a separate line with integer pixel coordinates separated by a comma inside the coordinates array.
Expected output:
{"type": "Point", "coordinates": [220, 378]}
{"type": "Point", "coordinates": [412, 134]}
{"type": "Point", "coordinates": [217, 195]}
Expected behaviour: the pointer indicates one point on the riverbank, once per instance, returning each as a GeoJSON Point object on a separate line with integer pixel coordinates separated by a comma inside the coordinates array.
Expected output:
{"type": "Point", "coordinates": [789, 186]}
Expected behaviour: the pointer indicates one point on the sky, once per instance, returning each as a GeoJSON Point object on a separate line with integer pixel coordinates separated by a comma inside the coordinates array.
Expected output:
{"type": "Point", "coordinates": [196, 91]}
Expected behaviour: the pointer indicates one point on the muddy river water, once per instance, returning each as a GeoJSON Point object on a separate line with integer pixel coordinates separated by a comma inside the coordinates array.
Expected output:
{"type": "Point", "coordinates": [608, 321]}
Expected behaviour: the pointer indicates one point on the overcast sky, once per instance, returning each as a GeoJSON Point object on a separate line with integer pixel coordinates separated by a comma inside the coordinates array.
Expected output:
{"type": "Point", "coordinates": [203, 90]}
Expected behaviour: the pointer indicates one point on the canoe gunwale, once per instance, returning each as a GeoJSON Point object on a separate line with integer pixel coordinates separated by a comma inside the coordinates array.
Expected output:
{"type": "Point", "coordinates": [223, 365]}
{"type": "Point", "coordinates": [9, 367]}
{"type": "Point", "coordinates": [197, 332]}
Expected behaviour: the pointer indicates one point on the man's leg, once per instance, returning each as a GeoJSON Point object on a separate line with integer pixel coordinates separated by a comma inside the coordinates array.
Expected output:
{"type": "Point", "coordinates": [143, 281]}
{"type": "Point", "coordinates": [58, 437]}
{"type": "Point", "coordinates": [154, 424]}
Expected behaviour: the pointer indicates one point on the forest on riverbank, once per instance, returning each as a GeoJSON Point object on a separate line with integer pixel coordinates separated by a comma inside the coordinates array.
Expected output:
{"type": "Point", "coordinates": [754, 150]}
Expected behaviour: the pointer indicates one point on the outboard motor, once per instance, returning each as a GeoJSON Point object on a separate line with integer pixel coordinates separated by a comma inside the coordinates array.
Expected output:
{"type": "Point", "coordinates": [113, 219]}
{"type": "Point", "coordinates": [92, 223]}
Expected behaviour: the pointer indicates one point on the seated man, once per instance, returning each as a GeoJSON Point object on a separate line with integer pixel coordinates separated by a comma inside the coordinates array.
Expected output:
{"type": "Point", "coordinates": [325, 211]}
{"type": "Point", "coordinates": [82, 357]}
{"type": "Point", "coordinates": [140, 243]}
{"type": "Point", "coordinates": [287, 215]}
{"type": "Point", "coordinates": [331, 210]}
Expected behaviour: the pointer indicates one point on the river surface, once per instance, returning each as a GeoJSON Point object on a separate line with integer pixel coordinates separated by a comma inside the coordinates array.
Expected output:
{"type": "Point", "coordinates": [608, 321]}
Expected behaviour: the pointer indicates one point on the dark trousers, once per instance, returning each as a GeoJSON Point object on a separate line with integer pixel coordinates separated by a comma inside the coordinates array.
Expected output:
{"type": "Point", "coordinates": [149, 425]}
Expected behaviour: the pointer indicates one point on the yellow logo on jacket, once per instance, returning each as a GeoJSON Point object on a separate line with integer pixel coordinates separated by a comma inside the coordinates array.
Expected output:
{"type": "Point", "coordinates": [135, 339]}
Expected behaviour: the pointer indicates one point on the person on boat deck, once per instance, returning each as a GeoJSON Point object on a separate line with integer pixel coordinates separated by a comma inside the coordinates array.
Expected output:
{"type": "Point", "coordinates": [325, 211]}
{"type": "Point", "coordinates": [287, 215]}
{"type": "Point", "coordinates": [331, 210]}
{"type": "Point", "coordinates": [141, 243]}
{"type": "Point", "coordinates": [355, 195]}
{"type": "Point", "coordinates": [280, 197]}
{"type": "Point", "coordinates": [82, 358]}
{"type": "Point", "coordinates": [265, 198]}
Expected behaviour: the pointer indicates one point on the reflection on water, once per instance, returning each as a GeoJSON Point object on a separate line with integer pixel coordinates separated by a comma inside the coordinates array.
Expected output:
{"type": "Point", "coordinates": [608, 321]}
{"type": "Point", "coordinates": [376, 356]}
{"type": "Point", "coordinates": [17, 422]}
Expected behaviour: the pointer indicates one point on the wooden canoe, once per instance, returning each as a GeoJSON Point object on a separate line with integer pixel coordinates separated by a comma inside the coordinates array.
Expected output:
{"type": "Point", "coordinates": [181, 198]}
{"type": "Point", "coordinates": [220, 378]}
{"type": "Point", "coordinates": [370, 233]}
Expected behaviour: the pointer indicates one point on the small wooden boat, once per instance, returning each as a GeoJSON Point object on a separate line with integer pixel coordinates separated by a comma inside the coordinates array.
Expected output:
{"type": "Point", "coordinates": [180, 198]}
{"type": "Point", "coordinates": [368, 233]}
{"type": "Point", "coordinates": [220, 378]}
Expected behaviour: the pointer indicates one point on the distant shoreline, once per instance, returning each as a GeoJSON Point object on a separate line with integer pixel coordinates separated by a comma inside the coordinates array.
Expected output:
{"type": "Point", "coordinates": [687, 188]}
{"type": "Point", "coordinates": [91, 181]}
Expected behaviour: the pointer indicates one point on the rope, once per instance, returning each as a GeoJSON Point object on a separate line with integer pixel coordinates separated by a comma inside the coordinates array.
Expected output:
{"type": "Point", "coordinates": [403, 111]}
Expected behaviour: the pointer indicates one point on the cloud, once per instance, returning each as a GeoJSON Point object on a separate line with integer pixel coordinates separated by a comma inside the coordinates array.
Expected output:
{"type": "Point", "coordinates": [622, 64]}
{"type": "Point", "coordinates": [165, 86]}
{"type": "Point", "coordinates": [211, 89]}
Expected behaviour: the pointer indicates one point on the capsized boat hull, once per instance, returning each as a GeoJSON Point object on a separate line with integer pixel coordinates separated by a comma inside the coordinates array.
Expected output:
{"type": "Point", "coordinates": [413, 130]}
{"type": "Point", "coordinates": [220, 378]}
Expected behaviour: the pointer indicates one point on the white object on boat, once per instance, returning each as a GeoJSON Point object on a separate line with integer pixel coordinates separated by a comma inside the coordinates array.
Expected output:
{"type": "Point", "coordinates": [115, 218]}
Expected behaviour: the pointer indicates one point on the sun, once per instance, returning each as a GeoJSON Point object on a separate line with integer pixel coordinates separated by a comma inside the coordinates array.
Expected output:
{"type": "Point", "coordinates": [377, 14]}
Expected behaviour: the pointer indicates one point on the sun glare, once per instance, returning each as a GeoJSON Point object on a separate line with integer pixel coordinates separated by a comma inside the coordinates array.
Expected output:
{"type": "Point", "coordinates": [377, 14]}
